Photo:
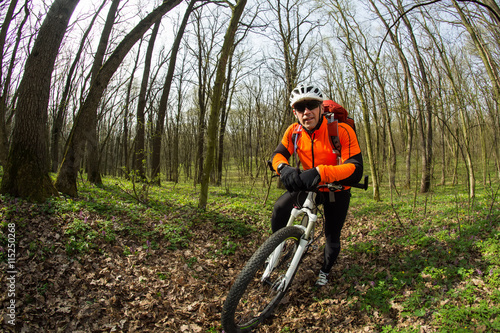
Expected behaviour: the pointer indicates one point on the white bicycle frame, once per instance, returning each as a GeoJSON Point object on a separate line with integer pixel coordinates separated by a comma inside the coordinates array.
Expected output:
{"type": "Point", "coordinates": [307, 208]}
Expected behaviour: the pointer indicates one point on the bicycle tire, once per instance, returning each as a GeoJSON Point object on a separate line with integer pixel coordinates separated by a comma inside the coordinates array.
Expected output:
{"type": "Point", "coordinates": [250, 301]}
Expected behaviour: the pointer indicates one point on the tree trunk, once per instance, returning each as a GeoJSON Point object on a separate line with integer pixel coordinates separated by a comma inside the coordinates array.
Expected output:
{"type": "Point", "coordinates": [364, 105]}
{"type": "Point", "coordinates": [160, 121]}
{"type": "Point", "coordinates": [174, 174]}
{"type": "Point", "coordinates": [67, 175]}
{"type": "Point", "coordinates": [26, 172]}
{"type": "Point", "coordinates": [223, 120]}
{"type": "Point", "coordinates": [140, 156]}
{"type": "Point", "coordinates": [4, 142]}
{"type": "Point", "coordinates": [464, 119]}
{"type": "Point", "coordinates": [126, 114]}
{"type": "Point", "coordinates": [484, 53]}
{"type": "Point", "coordinates": [63, 102]}
{"type": "Point", "coordinates": [216, 100]}
{"type": "Point", "coordinates": [93, 174]}
{"type": "Point", "coordinates": [425, 119]}
{"type": "Point", "coordinates": [406, 101]}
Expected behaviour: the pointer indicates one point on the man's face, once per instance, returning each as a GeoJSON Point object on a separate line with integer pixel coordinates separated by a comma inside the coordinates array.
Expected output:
{"type": "Point", "coordinates": [308, 113]}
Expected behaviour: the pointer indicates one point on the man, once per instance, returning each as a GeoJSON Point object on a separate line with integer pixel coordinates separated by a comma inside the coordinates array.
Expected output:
{"type": "Point", "coordinates": [310, 140]}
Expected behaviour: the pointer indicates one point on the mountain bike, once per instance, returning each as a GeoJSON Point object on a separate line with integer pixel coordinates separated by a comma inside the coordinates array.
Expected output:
{"type": "Point", "coordinates": [268, 274]}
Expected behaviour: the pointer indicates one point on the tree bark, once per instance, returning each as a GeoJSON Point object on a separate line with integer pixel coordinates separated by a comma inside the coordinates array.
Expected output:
{"type": "Point", "coordinates": [67, 175]}
{"type": "Point", "coordinates": [93, 174]}
{"type": "Point", "coordinates": [140, 156]}
{"type": "Point", "coordinates": [26, 172]}
{"type": "Point", "coordinates": [160, 120]}
{"type": "Point", "coordinates": [217, 93]}
{"type": "Point", "coordinates": [408, 84]}
{"type": "Point", "coordinates": [63, 102]}
{"type": "Point", "coordinates": [4, 141]}
{"type": "Point", "coordinates": [364, 105]}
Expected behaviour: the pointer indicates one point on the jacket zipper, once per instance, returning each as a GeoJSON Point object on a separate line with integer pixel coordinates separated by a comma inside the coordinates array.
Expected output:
{"type": "Point", "coordinates": [312, 148]}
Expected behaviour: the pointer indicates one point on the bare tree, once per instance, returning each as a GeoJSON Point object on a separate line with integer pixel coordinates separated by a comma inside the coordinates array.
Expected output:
{"type": "Point", "coordinates": [4, 93]}
{"type": "Point", "coordinates": [460, 103]}
{"type": "Point", "coordinates": [206, 43]}
{"type": "Point", "coordinates": [488, 61]}
{"type": "Point", "coordinates": [160, 120]}
{"type": "Point", "coordinates": [349, 40]}
{"type": "Point", "coordinates": [237, 11]}
{"type": "Point", "coordinates": [293, 28]}
{"type": "Point", "coordinates": [140, 156]}
{"type": "Point", "coordinates": [425, 115]}
{"type": "Point", "coordinates": [234, 73]}
{"type": "Point", "coordinates": [63, 101]}
{"type": "Point", "coordinates": [94, 175]}
{"type": "Point", "coordinates": [176, 122]}
{"type": "Point", "coordinates": [26, 172]}
{"type": "Point", "coordinates": [408, 85]}
{"type": "Point", "coordinates": [127, 105]}
{"type": "Point", "coordinates": [67, 175]}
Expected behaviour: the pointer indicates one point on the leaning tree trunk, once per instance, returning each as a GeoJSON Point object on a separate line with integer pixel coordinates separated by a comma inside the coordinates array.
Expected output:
{"type": "Point", "coordinates": [425, 118]}
{"type": "Point", "coordinates": [216, 100]}
{"type": "Point", "coordinates": [485, 54]}
{"type": "Point", "coordinates": [139, 154]}
{"type": "Point", "coordinates": [408, 83]}
{"type": "Point", "coordinates": [63, 102]}
{"type": "Point", "coordinates": [93, 158]}
{"type": "Point", "coordinates": [26, 172]}
{"type": "Point", "coordinates": [364, 105]}
{"type": "Point", "coordinates": [160, 120]}
{"type": "Point", "coordinates": [67, 175]}
{"type": "Point", "coordinates": [4, 142]}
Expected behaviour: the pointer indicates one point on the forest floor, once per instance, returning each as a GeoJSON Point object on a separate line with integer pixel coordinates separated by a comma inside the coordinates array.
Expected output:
{"type": "Point", "coordinates": [109, 262]}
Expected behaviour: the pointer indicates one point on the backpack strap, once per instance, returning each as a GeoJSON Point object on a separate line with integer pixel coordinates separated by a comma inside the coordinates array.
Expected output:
{"type": "Point", "coordinates": [295, 138]}
{"type": "Point", "coordinates": [333, 132]}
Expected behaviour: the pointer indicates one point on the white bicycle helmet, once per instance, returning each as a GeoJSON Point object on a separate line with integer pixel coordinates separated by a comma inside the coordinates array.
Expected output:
{"type": "Point", "coordinates": [305, 92]}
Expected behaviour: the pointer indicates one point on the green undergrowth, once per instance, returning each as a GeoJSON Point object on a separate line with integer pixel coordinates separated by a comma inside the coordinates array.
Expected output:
{"type": "Point", "coordinates": [422, 260]}
{"type": "Point", "coordinates": [155, 216]}
{"type": "Point", "coordinates": [427, 259]}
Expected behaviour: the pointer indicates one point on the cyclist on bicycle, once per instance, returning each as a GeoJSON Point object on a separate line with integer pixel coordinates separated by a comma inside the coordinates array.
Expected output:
{"type": "Point", "coordinates": [310, 139]}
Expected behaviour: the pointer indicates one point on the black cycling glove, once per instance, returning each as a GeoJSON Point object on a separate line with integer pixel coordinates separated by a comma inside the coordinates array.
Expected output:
{"type": "Point", "coordinates": [310, 178]}
{"type": "Point", "coordinates": [290, 178]}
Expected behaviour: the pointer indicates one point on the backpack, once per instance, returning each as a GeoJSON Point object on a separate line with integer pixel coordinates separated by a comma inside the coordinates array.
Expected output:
{"type": "Point", "coordinates": [334, 113]}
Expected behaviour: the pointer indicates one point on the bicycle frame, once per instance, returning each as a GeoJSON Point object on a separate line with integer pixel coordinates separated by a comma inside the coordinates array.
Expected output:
{"type": "Point", "coordinates": [307, 208]}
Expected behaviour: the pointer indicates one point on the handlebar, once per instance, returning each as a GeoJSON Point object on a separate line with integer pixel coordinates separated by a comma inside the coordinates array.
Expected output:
{"type": "Point", "coordinates": [330, 186]}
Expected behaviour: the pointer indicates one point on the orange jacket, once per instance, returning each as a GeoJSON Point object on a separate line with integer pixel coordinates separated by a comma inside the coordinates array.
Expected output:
{"type": "Point", "coordinates": [315, 150]}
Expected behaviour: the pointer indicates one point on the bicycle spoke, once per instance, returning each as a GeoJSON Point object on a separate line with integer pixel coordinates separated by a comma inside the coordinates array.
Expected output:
{"type": "Point", "coordinates": [260, 294]}
{"type": "Point", "coordinates": [254, 296]}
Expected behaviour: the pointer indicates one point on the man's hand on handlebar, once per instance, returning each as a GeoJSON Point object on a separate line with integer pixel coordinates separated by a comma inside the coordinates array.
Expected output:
{"type": "Point", "coordinates": [309, 179]}
{"type": "Point", "coordinates": [291, 179]}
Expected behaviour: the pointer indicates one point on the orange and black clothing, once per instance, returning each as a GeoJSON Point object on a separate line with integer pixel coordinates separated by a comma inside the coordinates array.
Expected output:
{"type": "Point", "coordinates": [314, 149]}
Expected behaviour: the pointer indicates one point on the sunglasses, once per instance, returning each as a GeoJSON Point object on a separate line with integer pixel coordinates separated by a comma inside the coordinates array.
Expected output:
{"type": "Point", "coordinates": [310, 105]}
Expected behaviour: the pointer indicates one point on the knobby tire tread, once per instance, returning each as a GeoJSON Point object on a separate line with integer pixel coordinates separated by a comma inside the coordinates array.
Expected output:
{"type": "Point", "coordinates": [248, 272]}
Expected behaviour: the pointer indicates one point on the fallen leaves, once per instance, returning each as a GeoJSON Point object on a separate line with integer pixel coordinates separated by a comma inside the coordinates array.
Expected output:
{"type": "Point", "coordinates": [125, 286]}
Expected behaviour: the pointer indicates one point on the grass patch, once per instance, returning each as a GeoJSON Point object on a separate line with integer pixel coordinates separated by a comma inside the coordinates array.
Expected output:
{"type": "Point", "coordinates": [440, 254]}
{"type": "Point", "coordinates": [425, 260]}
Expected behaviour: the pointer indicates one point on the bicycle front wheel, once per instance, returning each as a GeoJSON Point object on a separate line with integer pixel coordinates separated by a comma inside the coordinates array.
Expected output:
{"type": "Point", "coordinates": [251, 300]}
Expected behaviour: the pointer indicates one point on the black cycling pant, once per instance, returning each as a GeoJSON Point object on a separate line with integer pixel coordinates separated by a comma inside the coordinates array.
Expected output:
{"type": "Point", "coordinates": [335, 214]}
